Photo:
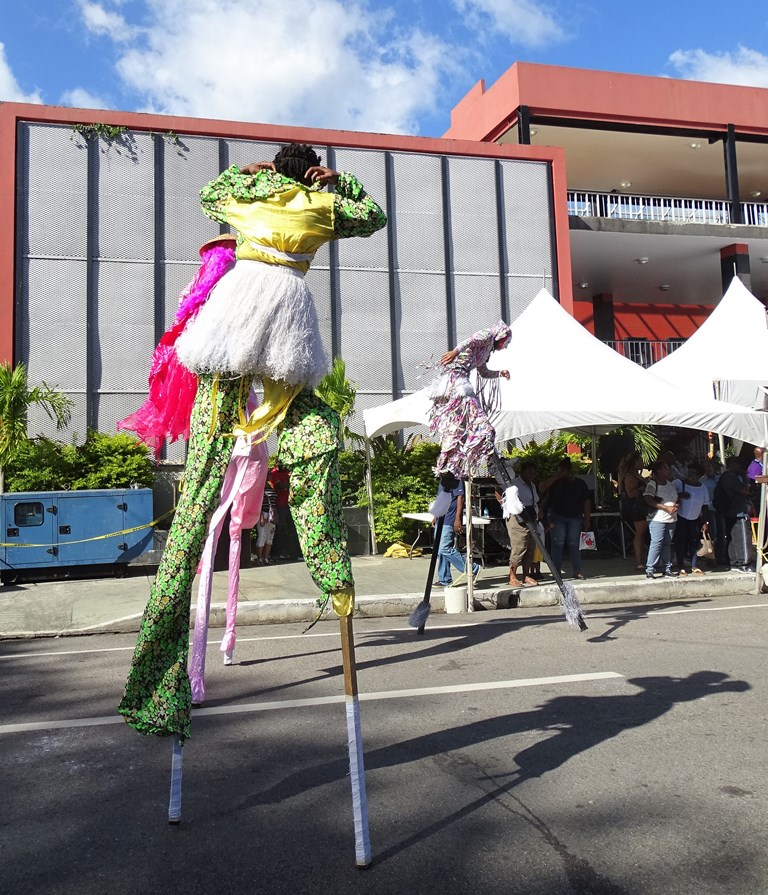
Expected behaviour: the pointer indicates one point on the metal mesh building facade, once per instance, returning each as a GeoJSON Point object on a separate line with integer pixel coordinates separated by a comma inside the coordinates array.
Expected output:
{"type": "Point", "coordinates": [107, 233]}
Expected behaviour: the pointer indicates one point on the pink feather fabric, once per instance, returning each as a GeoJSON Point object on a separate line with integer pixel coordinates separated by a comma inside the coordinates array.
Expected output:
{"type": "Point", "coordinates": [172, 387]}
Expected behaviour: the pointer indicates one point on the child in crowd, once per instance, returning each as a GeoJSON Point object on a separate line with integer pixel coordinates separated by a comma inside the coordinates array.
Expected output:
{"type": "Point", "coordinates": [265, 527]}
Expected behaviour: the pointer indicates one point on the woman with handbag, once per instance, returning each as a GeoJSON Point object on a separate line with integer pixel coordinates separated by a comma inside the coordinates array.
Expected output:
{"type": "Point", "coordinates": [633, 507]}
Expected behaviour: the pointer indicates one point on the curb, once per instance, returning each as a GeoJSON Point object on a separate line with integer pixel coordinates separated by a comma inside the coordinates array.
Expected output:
{"type": "Point", "coordinates": [304, 610]}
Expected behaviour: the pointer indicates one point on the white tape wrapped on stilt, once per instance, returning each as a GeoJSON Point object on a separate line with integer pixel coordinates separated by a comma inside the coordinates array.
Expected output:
{"type": "Point", "coordinates": [357, 779]}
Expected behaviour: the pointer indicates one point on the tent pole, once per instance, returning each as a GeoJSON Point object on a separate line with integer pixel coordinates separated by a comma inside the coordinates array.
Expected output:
{"type": "Point", "coordinates": [369, 490]}
{"type": "Point", "coordinates": [720, 439]}
{"type": "Point", "coordinates": [470, 559]}
{"type": "Point", "coordinates": [761, 527]}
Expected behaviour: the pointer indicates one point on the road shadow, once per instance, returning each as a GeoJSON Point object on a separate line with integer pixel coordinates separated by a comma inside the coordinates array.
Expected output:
{"type": "Point", "coordinates": [570, 725]}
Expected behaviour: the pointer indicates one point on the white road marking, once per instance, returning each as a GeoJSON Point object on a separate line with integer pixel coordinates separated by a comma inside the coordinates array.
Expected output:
{"type": "Point", "coordinates": [277, 705]}
{"type": "Point", "coordinates": [360, 635]}
{"type": "Point", "coordinates": [707, 609]}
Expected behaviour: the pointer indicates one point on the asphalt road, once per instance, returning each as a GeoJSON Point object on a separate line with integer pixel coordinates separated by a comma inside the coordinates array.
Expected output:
{"type": "Point", "coordinates": [629, 760]}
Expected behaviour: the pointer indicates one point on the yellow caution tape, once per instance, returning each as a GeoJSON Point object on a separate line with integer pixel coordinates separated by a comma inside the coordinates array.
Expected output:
{"type": "Point", "coordinates": [113, 534]}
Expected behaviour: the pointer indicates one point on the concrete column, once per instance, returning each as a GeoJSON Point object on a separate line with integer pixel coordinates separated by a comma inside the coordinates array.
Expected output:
{"type": "Point", "coordinates": [734, 262]}
{"type": "Point", "coordinates": [602, 314]}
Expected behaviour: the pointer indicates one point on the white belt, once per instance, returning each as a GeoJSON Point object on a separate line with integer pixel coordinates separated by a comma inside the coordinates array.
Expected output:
{"type": "Point", "coordinates": [276, 253]}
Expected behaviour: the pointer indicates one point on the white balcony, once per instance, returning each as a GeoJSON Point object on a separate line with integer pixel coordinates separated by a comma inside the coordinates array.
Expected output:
{"type": "Point", "coordinates": [662, 209]}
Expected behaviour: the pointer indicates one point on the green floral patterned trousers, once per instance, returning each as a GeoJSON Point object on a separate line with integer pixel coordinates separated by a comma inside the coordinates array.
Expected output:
{"type": "Point", "coordinates": [157, 696]}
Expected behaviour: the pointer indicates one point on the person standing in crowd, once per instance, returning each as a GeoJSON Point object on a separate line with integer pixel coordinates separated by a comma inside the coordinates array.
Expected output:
{"type": "Point", "coordinates": [754, 473]}
{"type": "Point", "coordinates": [447, 553]}
{"type": "Point", "coordinates": [521, 502]}
{"type": "Point", "coordinates": [732, 503]}
{"type": "Point", "coordinates": [691, 515]}
{"type": "Point", "coordinates": [265, 525]}
{"type": "Point", "coordinates": [569, 505]}
{"type": "Point", "coordinates": [633, 507]}
{"type": "Point", "coordinates": [755, 468]}
{"type": "Point", "coordinates": [709, 478]}
{"type": "Point", "coordinates": [286, 543]}
{"type": "Point", "coordinates": [662, 498]}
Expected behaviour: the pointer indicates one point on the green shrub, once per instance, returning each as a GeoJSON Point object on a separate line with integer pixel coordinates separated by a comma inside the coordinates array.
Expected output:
{"type": "Point", "coordinates": [103, 461]}
{"type": "Point", "coordinates": [403, 481]}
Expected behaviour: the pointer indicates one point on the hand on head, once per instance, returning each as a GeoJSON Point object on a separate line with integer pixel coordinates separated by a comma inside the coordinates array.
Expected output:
{"type": "Point", "coordinates": [321, 175]}
{"type": "Point", "coordinates": [255, 167]}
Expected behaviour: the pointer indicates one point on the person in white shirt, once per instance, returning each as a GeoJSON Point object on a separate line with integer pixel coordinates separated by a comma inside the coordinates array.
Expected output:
{"type": "Point", "coordinates": [521, 501]}
{"type": "Point", "coordinates": [690, 518]}
{"type": "Point", "coordinates": [662, 498]}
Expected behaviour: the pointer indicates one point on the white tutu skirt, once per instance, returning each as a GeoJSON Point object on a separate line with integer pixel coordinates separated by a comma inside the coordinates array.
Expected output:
{"type": "Point", "coordinates": [259, 320]}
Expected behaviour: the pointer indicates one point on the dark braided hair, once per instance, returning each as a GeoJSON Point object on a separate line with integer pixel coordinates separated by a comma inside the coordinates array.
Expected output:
{"type": "Point", "coordinates": [295, 159]}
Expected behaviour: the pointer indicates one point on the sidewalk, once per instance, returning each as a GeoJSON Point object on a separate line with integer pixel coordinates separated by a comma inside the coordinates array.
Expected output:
{"type": "Point", "coordinates": [283, 592]}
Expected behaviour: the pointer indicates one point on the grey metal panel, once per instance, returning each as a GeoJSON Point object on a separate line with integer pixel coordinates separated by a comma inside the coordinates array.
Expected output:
{"type": "Point", "coordinates": [38, 423]}
{"type": "Point", "coordinates": [365, 328]}
{"type": "Point", "coordinates": [369, 168]}
{"type": "Point", "coordinates": [176, 452]}
{"type": "Point", "coordinates": [125, 336]}
{"type": "Point", "coordinates": [52, 298]}
{"type": "Point", "coordinates": [52, 195]}
{"type": "Point", "coordinates": [53, 318]}
{"type": "Point", "coordinates": [526, 211]}
{"type": "Point", "coordinates": [478, 303]}
{"type": "Point", "coordinates": [417, 218]}
{"type": "Point", "coordinates": [522, 291]}
{"type": "Point", "coordinates": [111, 407]}
{"type": "Point", "coordinates": [126, 198]}
{"type": "Point", "coordinates": [421, 326]}
{"type": "Point", "coordinates": [177, 278]}
{"type": "Point", "coordinates": [188, 166]}
{"type": "Point", "coordinates": [243, 152]}
{"type": "Point", "coordinates": [319, 281]}
{"type": "Point", "coordinates": [473, 218]}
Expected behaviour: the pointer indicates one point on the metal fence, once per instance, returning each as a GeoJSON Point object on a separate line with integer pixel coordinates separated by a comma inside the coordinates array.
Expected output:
{"type": "Point", "coordinates": [108, 235]}
{"type": "Point", "coordinates": [644, 352]}
{"type": "Point", "coordinates": [663, 209]}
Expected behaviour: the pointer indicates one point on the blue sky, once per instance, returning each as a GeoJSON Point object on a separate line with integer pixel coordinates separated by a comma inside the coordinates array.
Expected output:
{"type": "Point", "coordinates": [395, 66]}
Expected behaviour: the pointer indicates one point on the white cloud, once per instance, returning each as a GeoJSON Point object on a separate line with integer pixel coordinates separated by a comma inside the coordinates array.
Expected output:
{"type": "Point", "coordinates": [79, 98]}
{"type": "Point", "coordinates": [10, 92]}
{"type": "Point", "coordinates": [102, 21]}
{"type": "Point", "coordinates": [745, 67]}
{"type": "Point", "coordinates": [526, 22]}
{"type": "Point", "coordinates": [321, 63]}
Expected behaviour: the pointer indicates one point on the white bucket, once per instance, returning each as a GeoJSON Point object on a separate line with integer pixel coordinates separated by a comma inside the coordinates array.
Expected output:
{"type": "Point", "coordinates": [455, 599]}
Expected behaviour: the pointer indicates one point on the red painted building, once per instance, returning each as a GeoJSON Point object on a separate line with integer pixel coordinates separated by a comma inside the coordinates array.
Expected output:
{"type": "Point", "coordinates": [667, 187]}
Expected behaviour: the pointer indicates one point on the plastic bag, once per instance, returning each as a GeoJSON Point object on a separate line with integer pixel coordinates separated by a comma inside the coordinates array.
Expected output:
{"type": "Point", "coordinates": [587, 541]}
{"type": "Point", "coordinates": [707, 549]}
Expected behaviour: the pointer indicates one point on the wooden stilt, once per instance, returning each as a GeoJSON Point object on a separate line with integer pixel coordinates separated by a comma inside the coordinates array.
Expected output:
{"type": "Point", "coordinates": [355, 743]}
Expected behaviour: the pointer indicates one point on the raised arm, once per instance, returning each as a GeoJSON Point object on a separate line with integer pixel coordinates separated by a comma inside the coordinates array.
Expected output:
{"type": "Point", "coordinates": [355, 213]}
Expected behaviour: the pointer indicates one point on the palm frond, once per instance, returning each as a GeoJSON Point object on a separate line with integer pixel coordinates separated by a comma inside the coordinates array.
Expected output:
{"type": "Point", "coordinates": [16, 398]}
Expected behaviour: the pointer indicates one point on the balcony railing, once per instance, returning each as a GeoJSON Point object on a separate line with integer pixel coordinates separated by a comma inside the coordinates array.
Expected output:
{"type": "Point", "coordinates": [644, 352]}
{"type": "Point", "coordinates": [662, 209]}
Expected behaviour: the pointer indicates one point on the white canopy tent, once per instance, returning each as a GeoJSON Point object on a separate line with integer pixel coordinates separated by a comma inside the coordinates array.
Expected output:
{"type": "Point", "coordinates": [727, 356]}
{"type": "Point", "coordinates": [562, 377]}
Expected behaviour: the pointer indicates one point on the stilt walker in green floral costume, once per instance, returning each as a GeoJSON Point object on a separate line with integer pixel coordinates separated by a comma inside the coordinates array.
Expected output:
{"type": "Point", "coordinates": [259, 323]}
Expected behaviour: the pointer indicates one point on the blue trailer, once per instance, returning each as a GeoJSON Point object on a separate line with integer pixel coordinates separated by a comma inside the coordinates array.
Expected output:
{"type": "Point", "coordinates": [58, 529]}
